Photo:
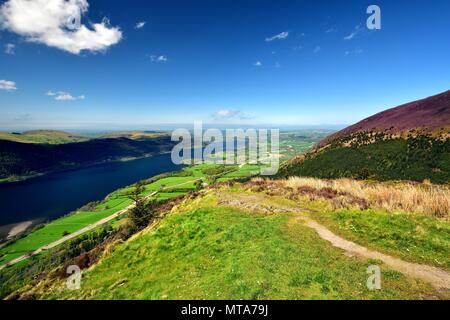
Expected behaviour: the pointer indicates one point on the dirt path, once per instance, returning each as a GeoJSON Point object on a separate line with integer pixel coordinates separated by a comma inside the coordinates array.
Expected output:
{"type": "Point", "coordinates": [438, 278]}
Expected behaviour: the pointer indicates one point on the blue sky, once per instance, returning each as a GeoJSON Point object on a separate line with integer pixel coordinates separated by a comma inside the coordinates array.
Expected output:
{"type": "Point", "coordinates": [259, 62]}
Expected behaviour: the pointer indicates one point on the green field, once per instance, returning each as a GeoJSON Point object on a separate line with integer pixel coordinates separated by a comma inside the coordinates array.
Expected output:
{"type": "Point", "coordinates": [293, 143]}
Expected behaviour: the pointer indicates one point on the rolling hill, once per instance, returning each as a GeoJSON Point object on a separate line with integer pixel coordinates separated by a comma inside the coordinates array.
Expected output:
{"type": "Point", "coordinates": [25, 159]}
{"type": "Point", "coordinates": [42, 137]}
{"type": "Point", "coordinates": [409, 142]}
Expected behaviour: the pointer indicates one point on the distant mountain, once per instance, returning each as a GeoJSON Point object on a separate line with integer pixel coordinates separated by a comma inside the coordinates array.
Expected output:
{"type": "Point", "coordinates": [135, 135]}
{"type": "Point", "coordinates": [61, 137]}
{"type": "Point", "coordinates": [25, 159]}
{"type": "Point", "coordinates": [42, 136]}
{"type": "Point", "coordinates": [429, 115]}
{"type": "Point", "coordinates": [409, 142]}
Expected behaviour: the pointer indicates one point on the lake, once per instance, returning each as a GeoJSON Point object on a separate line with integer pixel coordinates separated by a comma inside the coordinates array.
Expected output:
{"type": "Point", "coordinates": [52, 196]}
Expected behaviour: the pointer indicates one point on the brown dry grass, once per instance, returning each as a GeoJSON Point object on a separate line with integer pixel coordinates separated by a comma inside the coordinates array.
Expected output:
{"type": "Point", "coordinates": [408, 197]}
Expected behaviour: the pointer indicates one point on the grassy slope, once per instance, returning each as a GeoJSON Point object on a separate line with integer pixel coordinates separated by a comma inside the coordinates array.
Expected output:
{"type": "Point", "coordinates": [395, 159]}
{"type": "Point", "coordinates": [42, 136]}
{"type": "Point", "coordinates": [203, 251]}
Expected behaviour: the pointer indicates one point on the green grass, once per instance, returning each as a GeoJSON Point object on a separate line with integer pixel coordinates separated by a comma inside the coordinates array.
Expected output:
{"type": "Point", "coordinates": [413, 237]}
{"type": "Point", "coordinates": [211, 252]}
{"type": "Point", "coordinates": [162, 196]}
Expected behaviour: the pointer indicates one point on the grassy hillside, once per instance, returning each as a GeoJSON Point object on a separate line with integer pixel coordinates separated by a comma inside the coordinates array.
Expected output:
{"type": "Point", "coordinates": [364, 156]}
{"type": "Point", "coordinates": [42, 137]}
{"type": "Point", "coordinates": [240, 243]}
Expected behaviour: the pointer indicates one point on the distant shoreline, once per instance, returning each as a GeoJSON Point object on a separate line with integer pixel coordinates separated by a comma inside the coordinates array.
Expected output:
{"type": "Point", "coordinates": [10, 231]}
{"type": "Point", "coordinates": [14, 179]}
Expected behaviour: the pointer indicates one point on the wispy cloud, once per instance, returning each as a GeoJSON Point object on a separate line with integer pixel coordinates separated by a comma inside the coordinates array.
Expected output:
{"type": "Point", "coordinates": [140, 25]}
{"type": "Point", "coordinates": [246, 116]}
{"type": "Point", "coordinates": [281, 36]}
{"type": "Point", "coordinates": [64, 96]}
{"type": "Point", "coordinates": [354, 33]}
{"type": "Point", "coordinates": [158, 59]}
{"type": "Point", "coordinates": [7, 85]}
{"type": "Point", "coordinates": [225, 114]}
{"type": "Point", "coordinates": [10, 48]}
{"type": "Point", "coordinates": [331, 30]}
{"type": "Point", "coordinates": [317, 49]}
{"type": "Point", "coordinates": [258, 64]}
{"type": "Point", "coordinates": [23, 118]}
{"type": "Point", "coordinates": [355, 52]}
{"type": "Point", "coordinates": [57, 23]}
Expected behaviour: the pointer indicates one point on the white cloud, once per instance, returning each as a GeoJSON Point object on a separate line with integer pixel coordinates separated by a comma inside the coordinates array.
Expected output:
{"type": "Point", "coordinates": [158, 59]}
{"type": "Point", "coordinates": [140, 25]}
{"type": "Point", "coordinates": [258, 64]}
{"type": "Point", "coordinates": [9, 48]}
{"type": "Point", "coordinates": [64, 96]}
{"type": "Point", "coordinates": [56, 23]}
{"type": "Point", "coordinates": [331, 30]}
{"type": "Point", "coordinates": [281, 36]}
{"type": "Point", "coordinates": [7, 85]}
{"type": "Point", "coordinates": [354, 33]}
{"type": "Point", "coordinates": [225, 114]}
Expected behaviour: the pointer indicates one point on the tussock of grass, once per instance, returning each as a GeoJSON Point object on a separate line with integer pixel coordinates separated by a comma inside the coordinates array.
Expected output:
{"type": "Point", "coordinates": [430, 199]}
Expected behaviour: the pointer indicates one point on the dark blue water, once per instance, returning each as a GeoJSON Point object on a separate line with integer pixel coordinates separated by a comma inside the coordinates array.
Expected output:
{"type": "Point", "coordinates": [54, 195]}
